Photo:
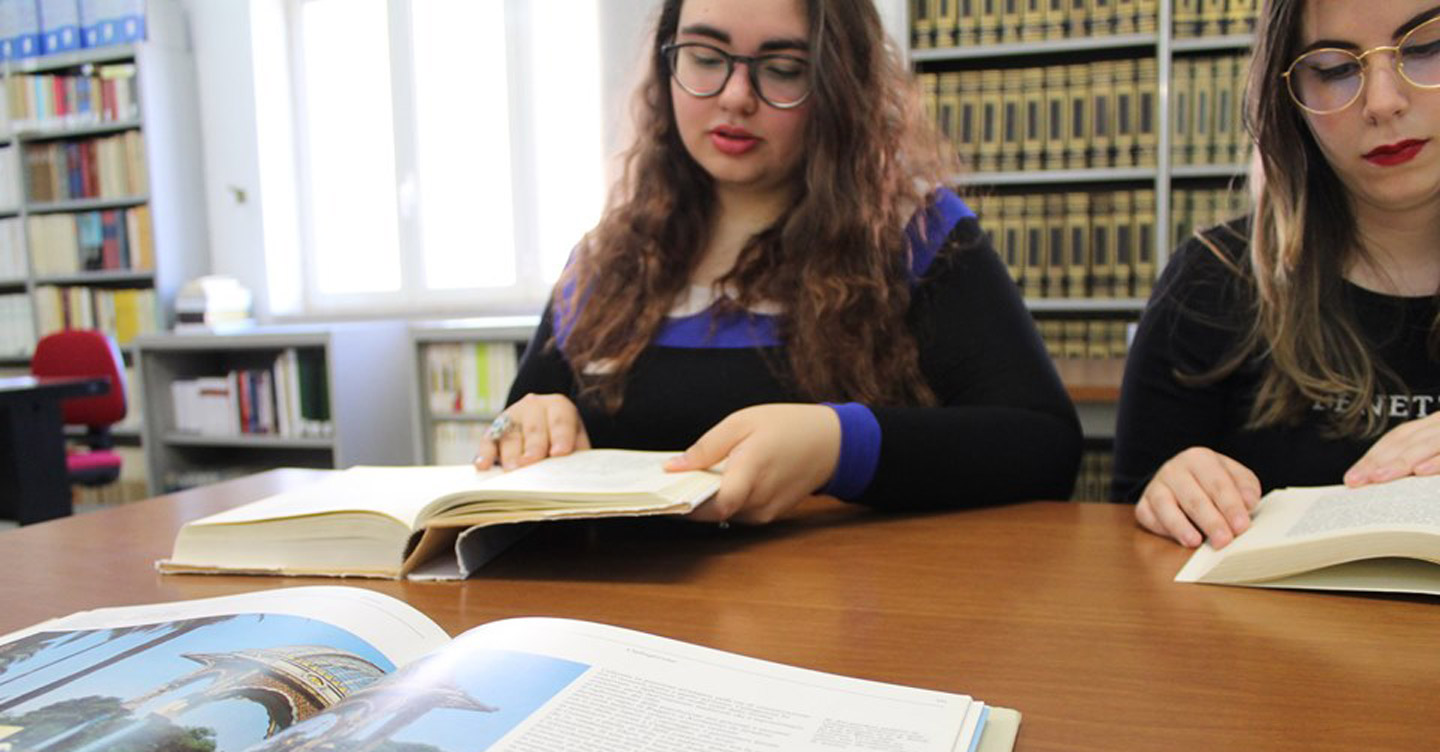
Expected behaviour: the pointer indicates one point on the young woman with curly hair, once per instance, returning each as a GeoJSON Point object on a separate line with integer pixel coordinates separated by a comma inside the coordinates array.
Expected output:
{"type": "Point", "coordinates": [779, 283]}
{"type": "Point", "coordinates": [1299, 347]}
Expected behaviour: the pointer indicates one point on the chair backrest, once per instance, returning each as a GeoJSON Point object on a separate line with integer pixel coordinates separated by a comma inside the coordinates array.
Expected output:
{"type": "Point", "coordinates": [84, 352]}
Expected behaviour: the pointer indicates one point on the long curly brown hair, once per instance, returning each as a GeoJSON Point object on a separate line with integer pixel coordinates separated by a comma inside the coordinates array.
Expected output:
{"type": "Point", "coordinates": [837, 260]}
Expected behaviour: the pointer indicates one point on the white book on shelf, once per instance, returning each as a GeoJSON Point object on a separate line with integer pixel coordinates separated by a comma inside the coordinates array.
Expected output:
{"type": "Point", "coordinates": [59, 26]}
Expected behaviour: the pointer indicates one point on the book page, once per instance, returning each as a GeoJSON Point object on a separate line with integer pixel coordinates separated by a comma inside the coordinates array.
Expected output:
{"type": "Point", "coordinates": [1403, 502]}
{"type": "Point", "coordinates": [553, 685]}
{"type": "Point", "coordinates": [221, 673]}
{"type": "Point", "coordinates": [397, 492]}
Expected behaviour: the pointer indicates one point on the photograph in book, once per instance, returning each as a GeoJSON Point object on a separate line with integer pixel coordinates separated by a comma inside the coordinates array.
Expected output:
{"type": "Point", "coordinates": [451, 701]}
{"type": "Point", "coordinates": [212, 683]}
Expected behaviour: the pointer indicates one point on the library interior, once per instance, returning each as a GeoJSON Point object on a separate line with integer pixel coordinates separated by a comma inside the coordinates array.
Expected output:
{"type": "Point", "coordinates": [316, 235]}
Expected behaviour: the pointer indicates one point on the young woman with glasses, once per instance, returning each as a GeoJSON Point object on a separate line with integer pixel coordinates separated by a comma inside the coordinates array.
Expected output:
{"type": "Point", "coordinates": [779, 284]}
{"type": "Point", "coordinates": [1299, 346]}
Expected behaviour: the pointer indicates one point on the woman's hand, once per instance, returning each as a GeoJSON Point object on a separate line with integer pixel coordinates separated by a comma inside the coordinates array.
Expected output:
{"type": "Point", "coordinates": [1411, 448]}
{"type": "Point", "coordinates": [541, 425]}
{"type": "Point", "coordinates": [775, 455]}
{"type": "Point", "coordinates": [1199, 490]}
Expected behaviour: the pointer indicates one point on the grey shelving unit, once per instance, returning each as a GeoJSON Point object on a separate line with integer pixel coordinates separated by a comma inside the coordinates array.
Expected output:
{"type": "Point", "coordinates": [368, 373]}
{"type": "Point", "coordinates": [170, 127]}
{"type": "Point", "coordinates": [1163, 46]}
{"type": "Point", "coordinates": [510, 330]}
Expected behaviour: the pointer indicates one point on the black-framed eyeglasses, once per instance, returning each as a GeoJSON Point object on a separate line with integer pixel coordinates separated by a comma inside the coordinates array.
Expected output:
{"type": "Point", "coordinates": [780, 80]}
{"type": "Point", "coordinates": [1330, 79]}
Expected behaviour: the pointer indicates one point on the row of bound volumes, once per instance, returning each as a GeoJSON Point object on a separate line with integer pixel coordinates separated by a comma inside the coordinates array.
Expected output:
{"type": "Point", "coordinates": [1208, 112]}
{"type": "Point", "coordinates": [123, 313]}
{"type": "Point", "coordinates": [109, 240]}
{"type": "Point", "coordinates": [1211, 18]}
{"type": "Point", "coordinates": [1076, 244]}
{"type": "Point", "coordinates": [288, 398]}
{"type": "Point", "coordinates": [66, 100]}
{"type": "Point", "coordinates": [1085, 115]}
{"type": "Point", "coordinates": [1097, 468]}
{"type": "Point", "coordinates": [469, 378]}
{"type": "Point", "coordinates": [1194, 210]}
{"type": "Point", "coordinates": [1086, 338]}
{"type": "Point", "coordinates": [962, 23]}
{"type": "Point", "coordinates": [12, 250]}
{"type": "Point", "coordinates": [110, 167]}
{"type": "Point", "coordinates": [17, 329]}
{"type": "Point", "coordinates": [29, 28]}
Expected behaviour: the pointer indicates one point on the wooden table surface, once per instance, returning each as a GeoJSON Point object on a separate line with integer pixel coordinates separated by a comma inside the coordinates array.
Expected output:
{"type": "Point", "coordinates": [1063, 611]}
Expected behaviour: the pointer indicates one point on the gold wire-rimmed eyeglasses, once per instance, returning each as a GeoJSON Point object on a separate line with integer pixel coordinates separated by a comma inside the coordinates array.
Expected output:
{"type": "Point", "coordinates": [1330, 79]}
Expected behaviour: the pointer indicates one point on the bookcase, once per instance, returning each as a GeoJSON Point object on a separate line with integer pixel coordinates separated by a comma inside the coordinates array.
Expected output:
{"type": "Point", "coordinates": [348, 384]}
{"type": "Point", "coordinates": [101, 187]}
{"type": "Point", "coordinates": [462, 369]}
{"type": "Point", "coordinates": [1098, 134]}
{"type": "Point", "coordinates": [101, 201]}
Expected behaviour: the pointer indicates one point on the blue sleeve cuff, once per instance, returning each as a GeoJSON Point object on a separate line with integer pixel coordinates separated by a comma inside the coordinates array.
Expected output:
{"type": "Point", "coordinates": [859, 451]}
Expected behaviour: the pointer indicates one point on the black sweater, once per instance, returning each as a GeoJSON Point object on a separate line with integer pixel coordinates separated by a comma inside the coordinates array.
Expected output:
{"type": "Point", "coordinates": [1194, 321]}
{"type": "Point", "coordinates": [1005, 429]}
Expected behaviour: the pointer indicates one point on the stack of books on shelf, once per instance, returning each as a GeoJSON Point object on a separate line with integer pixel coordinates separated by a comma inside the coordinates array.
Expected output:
{"type": "Point", "coordinates": [1207, 119]}
{"type": "Point", "coordinates": [12, 251]}
{"type": "Point", "coordinates": [289, 398]}
{"type": "Point", "coordinates": [1192, 210]}
{"type": "Point", "coordinates": [123, 312]}
{"type": "Point", "coordinates": [960, 23]}
{"type": "Point", "coordinates": [49, 101]}
{"type": "Point", "coordinates": [107, 167]}
{"type": "Point", "coordinates": [1057, 117]}
{"type": "Point", "coordinates": [1097, 467]}
{"type": "Point", "coordinates": [469, 378]}
{"type": "Point", "coordinates": [1077, 244]}
{"type": "Point", "coordinates": [1212, 18]}
{"type": "Point", "coordinates": [17, 331]}
{"type": "Point", "coordinates": [1072, 337]}
{"type": "Point", "coordinates": [108, 240]}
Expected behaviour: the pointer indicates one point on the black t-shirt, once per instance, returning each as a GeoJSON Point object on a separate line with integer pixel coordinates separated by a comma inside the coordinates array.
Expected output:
{"type": "Point", "coordinates": [1195, 320]}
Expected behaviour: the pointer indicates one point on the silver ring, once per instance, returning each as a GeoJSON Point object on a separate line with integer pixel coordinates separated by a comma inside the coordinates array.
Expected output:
{"type": "Point", "coordinates": [499, 427]}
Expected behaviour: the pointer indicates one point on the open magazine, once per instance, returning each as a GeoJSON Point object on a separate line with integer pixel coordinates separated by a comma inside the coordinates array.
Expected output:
{"type": "Point", "coordinates": [338, 668]}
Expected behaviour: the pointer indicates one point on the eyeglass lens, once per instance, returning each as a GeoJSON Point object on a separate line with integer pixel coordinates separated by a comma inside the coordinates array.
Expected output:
{"type": "Point", "coordinates": [1329, 80]}
{"type": "Point", "coordinates": [704, 70]}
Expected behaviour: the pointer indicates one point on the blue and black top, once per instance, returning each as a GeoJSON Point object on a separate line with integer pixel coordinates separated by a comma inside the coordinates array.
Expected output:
{"type": "Point", "coordinates": [1004, 429]}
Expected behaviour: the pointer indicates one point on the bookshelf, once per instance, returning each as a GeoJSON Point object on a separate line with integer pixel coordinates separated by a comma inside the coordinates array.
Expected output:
{"type": "Point", "coordinates": [347, 392]}
{"type": "Point", "coordinates": [1098, 134]}
{"type": "Point", "coordinates": [462, 369]}
{"type": "Point", "coordinates": [101, 187]}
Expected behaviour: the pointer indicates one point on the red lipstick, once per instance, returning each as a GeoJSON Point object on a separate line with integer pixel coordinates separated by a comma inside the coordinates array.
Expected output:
{"type": "Point", "coordinates": [733, 140]}
{"type": "Point", "coordinates": [1397, 153]}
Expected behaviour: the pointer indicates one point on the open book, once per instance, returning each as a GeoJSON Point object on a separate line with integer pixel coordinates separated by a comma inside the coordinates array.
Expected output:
{"type": "Point", "coordinates": [1383, 538]}
{"type": "Point", "coordinates": [338, 668]}
{"type": "Point", "coordinates": [402, 521]}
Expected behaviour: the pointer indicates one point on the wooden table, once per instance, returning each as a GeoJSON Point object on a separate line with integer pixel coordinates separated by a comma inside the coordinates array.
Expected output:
{"type": "Point", "coordinates": [1063, 611]}
{"type": "Point", "coordinates": [34, 485]}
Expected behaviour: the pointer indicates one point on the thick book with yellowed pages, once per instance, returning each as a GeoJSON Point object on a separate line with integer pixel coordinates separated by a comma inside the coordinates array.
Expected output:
{"type": "Point", "coordinates": [343, 668]}
{"type": "Point", "coordinates": [1383, 538]}
{"type": "Point", "coordinates": [437, 522]}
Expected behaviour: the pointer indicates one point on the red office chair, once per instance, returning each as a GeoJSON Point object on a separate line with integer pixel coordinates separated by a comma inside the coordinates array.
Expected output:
{"type": "Point", "coordinates": [85, 352]}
